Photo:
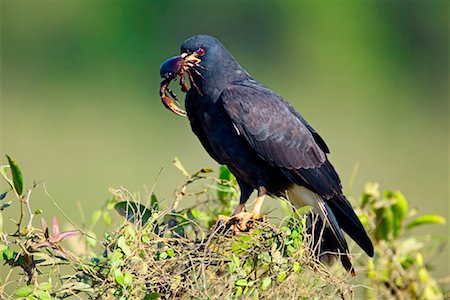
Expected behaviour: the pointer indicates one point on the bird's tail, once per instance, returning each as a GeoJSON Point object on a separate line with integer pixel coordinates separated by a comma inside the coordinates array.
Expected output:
{"type": "Point", "coordinates": [326, 244]}
{"type": "Point", "coordinates": [325, 224]}
{"type": "Point", "coordinates": [350, 223]}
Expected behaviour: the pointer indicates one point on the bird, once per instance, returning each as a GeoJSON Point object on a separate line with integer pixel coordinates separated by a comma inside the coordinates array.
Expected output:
{"type": "Point", "coordinates": [263, 140]}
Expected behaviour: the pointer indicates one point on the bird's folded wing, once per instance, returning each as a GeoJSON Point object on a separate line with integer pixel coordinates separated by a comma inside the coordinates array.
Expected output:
{"type": "Point", "coordinates": [274, 130]}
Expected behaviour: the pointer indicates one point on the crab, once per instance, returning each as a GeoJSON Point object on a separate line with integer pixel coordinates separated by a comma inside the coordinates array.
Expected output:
{"type": "Point", "coordinates": [179, 66]}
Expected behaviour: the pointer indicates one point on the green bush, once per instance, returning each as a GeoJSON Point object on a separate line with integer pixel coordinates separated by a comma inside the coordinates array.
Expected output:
{"type": "Point", "coordinates": [155, 252]}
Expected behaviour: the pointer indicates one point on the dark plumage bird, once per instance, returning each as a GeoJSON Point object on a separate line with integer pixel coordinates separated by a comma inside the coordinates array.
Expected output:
{"type": "Point", "coordinates": [264, 141]}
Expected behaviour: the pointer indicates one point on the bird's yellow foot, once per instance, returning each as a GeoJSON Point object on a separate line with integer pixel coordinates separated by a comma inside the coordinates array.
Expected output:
{"type": "Point", "coordinates": [241, 222]}
{"type": "Point", "coordinates": [223, 223]}
{"type": "Point", "coordinates": [245, 220]}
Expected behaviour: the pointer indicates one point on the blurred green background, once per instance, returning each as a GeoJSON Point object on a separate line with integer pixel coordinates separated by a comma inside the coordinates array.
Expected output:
{"type": "Point", "coordinates": [80, 109]}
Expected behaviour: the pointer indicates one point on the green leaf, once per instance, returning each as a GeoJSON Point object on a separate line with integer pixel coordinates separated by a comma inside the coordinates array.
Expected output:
{"type": "Point", "coordinates": [9, 254]}
{"type": "Point", "coordinates": [282, 276]}
{"type": "Point", "coordinates": [45, 286]}
{"type": "Point", "coordinates": [241, 282]}
{"type": "Point", "coordinates": [296, 267]}
{"type": "Point", "coordinates": [118, 276]}
{"type": "Point", "coordinates": [384, 222]}
{"type": "Point", "coordinates": [224, 173]}
{"type": "Point", "coordinates": [152, 296]}
{"type": "Point", "coordinates": [107, 218]}
{"type": "Point", "coordinates": [245, 237]}
{"type": "Point", "coordinates": [145, 239]}
{"type": "Point", "coordinates": [121, 242]}
{"type": "Point", "coordinates": [238, 291]}
{"type": "Point", "coordinates": [44, 295]}
{"type": "Point", "coordinates": [177, 163]}
{"type": "Point", "coordinates": [401, 203]}
{"type": "Point", "coordinates": [133, 211]}
{"type": "Point", "coordinates": [176, 227]}
{"type": "Point", "coordinates": [24, 291]}
{"type": "Point", "coordinates": [16, 175]}
{"type": "Point", "coordinates": [419, 259]}
{"type": "Point", "coordinates": [162, 255]}
{"type": "Point", "coordinates": [128, 278]}
{"type": "Point", "coordinates": [154, 203]}
{"type": "Point", "coordinates": [304, 210]}
{"type": "Point", "coordinates": [399, 210]}
{"type": "Point", "coordinates": [170, 252]}
{"type": "Point", "coordinates": [196, 214]}
{"type": "Point", "coordinates": [3, 169]}
{"type": "Point", "coordinates": [115, 258]}
{"type": "Point", "coordinates": [371, 193]}
{"type": "Point", "coordinates": [225, 190]}
{"type": "Point", "coordinates": [265, 257]}
{"type": "Point", "coordinates": [423, 275]}
{"type": "Point", "coordinates": [95, 216]}
{"type": "Point", "coordinates": [266, 283]}
{"type": "Point", "coordinates": [426, 219]}
{"type": "Point", "coordinates": [246, 289]}
{"type": "Point", "coordinates": [78, 286]}
{"type": "Point", "coordinates": [236, 260]}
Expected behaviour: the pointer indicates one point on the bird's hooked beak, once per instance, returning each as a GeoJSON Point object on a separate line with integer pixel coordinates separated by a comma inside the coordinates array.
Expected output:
{"type": "Point", "coordinates": [176, 67]}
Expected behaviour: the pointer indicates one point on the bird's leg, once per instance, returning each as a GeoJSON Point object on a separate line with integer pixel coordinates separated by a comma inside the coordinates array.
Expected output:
{"type": "Point", "coordinates": [224, 219]}
{"type": "Point", "coordinates": [254, 214]}
{"type": "Point", "coordinates": [240, 219]}
{"type": "Point", "coordinates": [238, 209]}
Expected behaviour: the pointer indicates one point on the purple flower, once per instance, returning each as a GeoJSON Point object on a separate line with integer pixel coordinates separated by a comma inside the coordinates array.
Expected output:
{"type": "Point", "coordinates": [53, 240]}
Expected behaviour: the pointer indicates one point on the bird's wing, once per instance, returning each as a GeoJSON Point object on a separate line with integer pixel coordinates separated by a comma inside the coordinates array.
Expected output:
{"type": "Point", "coordinates": [267, 122]}
{"type": "Point", "coordinates": [281, 137]}
{"type": "Point", "coordinates": [316, 136]}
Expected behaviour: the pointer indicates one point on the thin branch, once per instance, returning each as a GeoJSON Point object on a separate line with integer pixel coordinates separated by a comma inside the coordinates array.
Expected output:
{"type": "Point", "coordinates": [66, 216]}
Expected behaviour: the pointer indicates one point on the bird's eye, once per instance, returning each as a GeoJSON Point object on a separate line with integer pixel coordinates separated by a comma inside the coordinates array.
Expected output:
{"type": "Point", "coordinates": [200, 51]}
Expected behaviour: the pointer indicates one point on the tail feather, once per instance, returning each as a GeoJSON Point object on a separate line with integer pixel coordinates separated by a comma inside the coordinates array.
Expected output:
{"type": "Point", "coordinates": [326, 244]}
{"type": "Point", "coordinates": [349, 221]}
{"type": "Point", "coordinates": [334, 237]}
{"type": "Point", "coordinates": [334, 214]}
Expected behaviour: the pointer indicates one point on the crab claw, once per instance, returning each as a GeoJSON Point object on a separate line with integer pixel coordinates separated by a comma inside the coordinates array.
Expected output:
{"type": "Point", "coordinates": [170, 70]}
{"type": "Point", "coordinates": [168, 102]}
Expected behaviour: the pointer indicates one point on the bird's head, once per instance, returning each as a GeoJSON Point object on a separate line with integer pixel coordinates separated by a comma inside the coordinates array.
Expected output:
{"type": "Point", "coordinates": [205, 62]}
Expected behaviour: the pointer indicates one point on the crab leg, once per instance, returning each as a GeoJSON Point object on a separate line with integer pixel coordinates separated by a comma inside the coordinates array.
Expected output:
{"type": "Point", "coordinates": [197, 72]}
{"type": "Point", "coordinates": [183, 83]}
{"type": "Point", "coordinates": [191, 79]}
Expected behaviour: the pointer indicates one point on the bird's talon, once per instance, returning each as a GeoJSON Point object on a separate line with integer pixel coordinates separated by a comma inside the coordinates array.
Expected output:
{"type": "Point", "coordinates": [241, 222]}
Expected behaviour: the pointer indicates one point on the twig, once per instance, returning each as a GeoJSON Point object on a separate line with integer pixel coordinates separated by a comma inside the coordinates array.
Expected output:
{"type": "Point", "coordinates": [66, 216]}
{"type": "Point", "coordinates": [27, 202]}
